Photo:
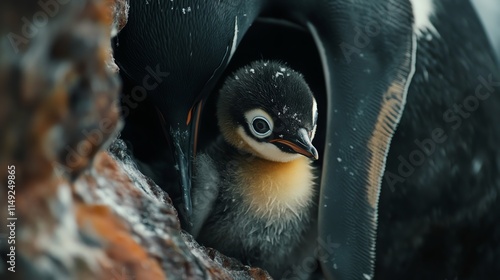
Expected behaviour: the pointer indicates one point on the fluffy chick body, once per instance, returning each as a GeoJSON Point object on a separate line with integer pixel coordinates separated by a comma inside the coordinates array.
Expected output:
{"type": "Point", "coordinates": [249, 204]}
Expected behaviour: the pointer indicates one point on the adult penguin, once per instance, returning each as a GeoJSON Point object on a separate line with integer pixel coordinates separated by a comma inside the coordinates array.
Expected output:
{"type": "Point", "coordinates": [439, 210]}
{"type": "Point", "coordinates": [175, 51]}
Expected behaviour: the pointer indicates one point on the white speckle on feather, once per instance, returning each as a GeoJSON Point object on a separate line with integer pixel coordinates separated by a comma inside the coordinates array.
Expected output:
{"type": "Point", "coordinates": [282, 69]}
{"type": "Point", "coordinates": [281, 135]}
{"type": "Point", "coordinates": [252, 70]}
{"type": "Point", "coordinates": [236, 77]}
{"type": "Point", "coordinates": [278, 74]}
{"type": "Point", "coordinates": [476, 165]}
{"type": "Point", "coordinates": [351, 147]}
{"type": "Point", "coordinates": [354, 128]}
{"type": "Point", "coordinates": [329, 144]}
{"type": "Point", "coordinates": [351, 173]}
{"type": "Point", "coordinates": [366, 276]}
{"type": "Point", "coordinates": [335, 266]}
{"type": "Point", "coordinates": [339, 159]}
{"type": "Point", "coordinates": [288, 74]}
{"type": "Point", "coordinates": [183, 11]}
{"type": "Point", "coordinates": [426, 75]}
{"type": "Point", "coordinates": [285, 108]}
{"type": "Point", "coordinates": [325, 205]}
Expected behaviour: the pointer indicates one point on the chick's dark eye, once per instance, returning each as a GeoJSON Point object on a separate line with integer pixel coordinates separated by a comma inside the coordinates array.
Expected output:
{"type": "Point", "coordinates": [261, 127]}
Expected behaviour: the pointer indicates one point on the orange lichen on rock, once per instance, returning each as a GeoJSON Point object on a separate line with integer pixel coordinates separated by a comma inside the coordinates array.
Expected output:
{"type": "Point", "coordinates": [127, 257]}
{"type": "Point", "coordinates": [82, 212]}
{"type": "Point", "coordinates": [128, 214]}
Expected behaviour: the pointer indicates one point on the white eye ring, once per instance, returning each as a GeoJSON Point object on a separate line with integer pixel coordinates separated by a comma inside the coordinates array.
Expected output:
{"type": "Point", "coordinates": [263, 119]}
{"type": "Point", "coordinates": [261, 127]}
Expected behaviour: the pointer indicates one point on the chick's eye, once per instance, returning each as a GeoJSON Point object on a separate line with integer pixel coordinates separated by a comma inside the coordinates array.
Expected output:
{"type": "Point", "coordinates": [261, 127]}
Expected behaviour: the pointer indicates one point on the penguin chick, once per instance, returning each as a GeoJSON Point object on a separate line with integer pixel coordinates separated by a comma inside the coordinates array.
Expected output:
{"type": "Point", "coordinates": [253, 194]}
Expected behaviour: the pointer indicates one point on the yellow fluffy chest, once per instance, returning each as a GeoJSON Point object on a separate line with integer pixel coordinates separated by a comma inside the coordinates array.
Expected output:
{"type": "Point", "coordinates": [276, 189]}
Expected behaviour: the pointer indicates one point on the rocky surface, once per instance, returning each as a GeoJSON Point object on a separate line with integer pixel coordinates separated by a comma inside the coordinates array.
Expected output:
{"type": "Point", "coordinates": [82, 212]}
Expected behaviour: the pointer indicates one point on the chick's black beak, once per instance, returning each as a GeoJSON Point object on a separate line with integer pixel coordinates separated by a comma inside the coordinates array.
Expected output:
{"type": "Point", "coordinates": [299, 143]}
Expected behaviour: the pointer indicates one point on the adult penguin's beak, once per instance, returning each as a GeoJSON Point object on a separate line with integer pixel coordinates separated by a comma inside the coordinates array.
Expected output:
{"type": "Point", "coordinates": [182, 133]}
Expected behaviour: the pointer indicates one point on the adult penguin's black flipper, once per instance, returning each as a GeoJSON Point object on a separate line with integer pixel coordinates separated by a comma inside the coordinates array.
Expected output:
{"type": "Point", "coordinates": [174, 52]}
{"type": "Point", "coordinates": [368, 52]}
